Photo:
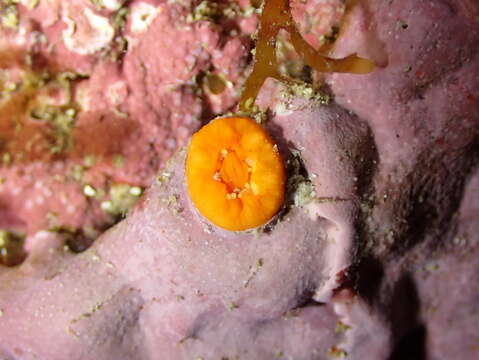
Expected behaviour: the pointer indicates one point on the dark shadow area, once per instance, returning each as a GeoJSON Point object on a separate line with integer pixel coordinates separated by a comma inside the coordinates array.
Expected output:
{"type": "Point", "coordinates": [426, 209]}
{"type": "Point", "coordinates": [411, 346]}
{"type": "Point", "coordinates": [408, 332]}
{"type": "Point", "coordinates": [75, 239]}
{"type": "Point", "coordinates": [366, 163]}
{"type": "Point", "coordinates": [369, 274]}
{"type": "Point", "coordinates": [400, 306]}
{"type": "Point", "coordinates": [295, 168]}
{"type": "Point", "coordinates": [306, 299]}
{"type": "Point", "coordinates": [12, 248]}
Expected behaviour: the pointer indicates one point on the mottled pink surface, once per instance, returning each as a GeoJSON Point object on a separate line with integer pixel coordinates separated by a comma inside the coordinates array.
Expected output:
{"type": "Point", "coordinates": [138, 103]}
{"type": "Point", "coordinates": [315, 18]}
{"type": "Point", "coordinates": [382, 264]}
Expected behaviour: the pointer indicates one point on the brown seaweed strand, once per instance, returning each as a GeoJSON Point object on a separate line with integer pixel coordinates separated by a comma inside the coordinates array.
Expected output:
{"type": "Point", "coordinates": [276, 15]}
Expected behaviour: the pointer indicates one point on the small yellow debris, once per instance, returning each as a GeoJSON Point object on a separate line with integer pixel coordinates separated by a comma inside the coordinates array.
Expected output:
{"type": "Point", "coordinates": [11, 86]}
{"type": "Point", "coordinates": [70, 112]}
{"type": "Point", "coordinates": [118, 161]}
{"type": "Point", "coordinates": [341, 327]}
{"type": "Point", "coordinates": [89, 191]}
{"type": "Point", "coordinates": [136, 191]}
{"type": "Point", "coordinates": [254, 188]}
{"type": "Point", "coordinates": [106, 206]}
{"type": "Point", "coordinates": [6, 158]}
{"type": "Point", "coordinates": [231, 196]}
{"type": "Point", "coordinates": [33, 4]}
{"type": "Point", "coordinates": [10, 15]}
{"type": "Point", "coordinates": [89, 160]}
{"type": "Point", "coordinates": [163, 177]}
{"type": "Point", "coordinates": [122, 198]}
{"type": "Point", "coordinates": [233, 306]}
{"type": "Point", "coordinates": [337, 352]}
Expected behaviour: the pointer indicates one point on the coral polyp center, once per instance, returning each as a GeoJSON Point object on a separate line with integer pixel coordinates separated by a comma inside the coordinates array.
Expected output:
{"type": "Point", "coordinates": [235, 174]}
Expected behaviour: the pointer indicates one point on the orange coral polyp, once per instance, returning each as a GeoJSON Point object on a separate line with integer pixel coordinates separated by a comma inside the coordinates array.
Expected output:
{"type": "Point", "coordinates": [234, 173]}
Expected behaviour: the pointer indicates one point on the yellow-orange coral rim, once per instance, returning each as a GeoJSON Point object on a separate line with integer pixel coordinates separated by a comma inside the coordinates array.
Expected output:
{"type": "Point", "coordinates": [235, 174]}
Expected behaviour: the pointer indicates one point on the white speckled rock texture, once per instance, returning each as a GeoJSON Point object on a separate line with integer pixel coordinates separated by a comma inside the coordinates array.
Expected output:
{"type": "Point", "coordinates": [137, 83]}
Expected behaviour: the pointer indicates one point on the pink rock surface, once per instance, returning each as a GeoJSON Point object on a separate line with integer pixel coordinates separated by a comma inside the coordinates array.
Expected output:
{"type": "Point", "coordinates": [139, 91]}
{"type": "Point", "coordinates": [183, 283]}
